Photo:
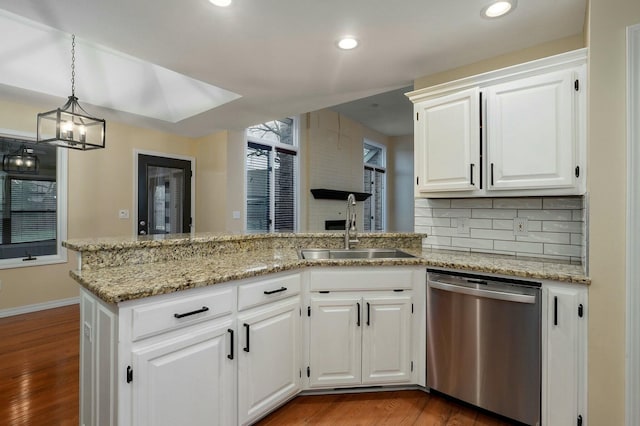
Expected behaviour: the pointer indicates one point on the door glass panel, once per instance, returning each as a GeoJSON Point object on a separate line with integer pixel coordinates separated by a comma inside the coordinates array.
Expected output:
{"type": "Point", "coordinates": [165, 199]}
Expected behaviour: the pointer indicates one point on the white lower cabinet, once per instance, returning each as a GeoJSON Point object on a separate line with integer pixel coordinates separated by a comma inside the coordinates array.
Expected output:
{"type": "Point", "coordinates": [564, 364]}
{"type": "Point", "coordinates": [363, 338]}
{"type": "Point", "coordinates": [185, 379]}
{"type": "Point", "coordinates": [268, 358]}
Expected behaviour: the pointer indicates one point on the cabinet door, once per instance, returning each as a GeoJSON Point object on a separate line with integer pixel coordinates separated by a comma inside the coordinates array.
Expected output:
{"type": "Point", "coordinates": [268, 358]}
{"type": "Point", "coordinates": [565, 372]}
{"type": "Point", "coordinates": [530, 133]}
{"type": "Point", "coordinates": [386, 340]}
{"type": "Point", "coordinates": [335, 341]}
{"type": "Point", "coordinates": [447, 143]}
{"type": "Point", "coordinates": [185, 380]}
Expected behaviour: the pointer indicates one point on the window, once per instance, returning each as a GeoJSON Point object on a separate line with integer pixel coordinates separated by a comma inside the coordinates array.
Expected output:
{"type": "Point", "coordinates": [31, 203]}
{"type": "Point", "coordinates": [272, 170]}
{"type": "Point", "coordinates": [374, 184]}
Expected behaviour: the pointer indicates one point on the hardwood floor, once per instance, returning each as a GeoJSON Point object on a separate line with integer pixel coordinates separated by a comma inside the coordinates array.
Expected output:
{"type": "Point", "coordinates": [379, 408]}
{"type": "Point", "coordinates": [39, 368]}
{"type": "Point", "coordinates": [39, 385]}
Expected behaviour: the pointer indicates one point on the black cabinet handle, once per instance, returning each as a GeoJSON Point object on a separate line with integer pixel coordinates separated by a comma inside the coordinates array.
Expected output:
{"type": "Point", "coordinates": [246, 327]}
{"type": "Point", "coordinates": [555, 310]}
{"type": "Point", "coordinates": [197, 311]}
{"type": "Point", "coordinates": [491, 174]}
{"type": "Point", "coordinates": [368, 313]}
{"type": "Point", "coordinates": [358, 322]}
{"type": "Point", "coordinates": [275, 291]}
{"type": "Point", "coordinates": [472, 173]}
{"type": "Point", "coordinates": [230, 331]}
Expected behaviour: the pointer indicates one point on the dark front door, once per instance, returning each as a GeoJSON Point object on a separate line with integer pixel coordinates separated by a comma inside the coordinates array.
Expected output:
{"type": "Point", "coordinates": [164, 195]}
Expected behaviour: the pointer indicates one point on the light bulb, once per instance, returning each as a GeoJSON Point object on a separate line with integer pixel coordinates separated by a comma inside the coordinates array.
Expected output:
{"type": "Point", "coordinates": [83, 132]}
{"type": "Point", "coordinates": [497, 9]}
{"type": "Point", "coordinates": [67, 130]}
{"type": "Point", "coordinates": [347, 43]}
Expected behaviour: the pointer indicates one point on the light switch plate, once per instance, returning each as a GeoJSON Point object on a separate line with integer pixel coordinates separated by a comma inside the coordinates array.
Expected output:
{"type": "Point", "coordinates": [521, 226]}
{"type": "Point", "coordinates": [236, 214]}
{"type": "Point", "coordinates": [463, 225]}
{"type": "Point", "coordinates": [123, 214]}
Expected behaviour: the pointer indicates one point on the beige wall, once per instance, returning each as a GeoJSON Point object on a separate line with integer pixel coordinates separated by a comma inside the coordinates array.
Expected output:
{"type": "Point", "coordinates": [99, 184]}
{"type": "Point", "coordinates": [607, 204]}
{"type": "Point", "coordinates": [400, 200]}
{"type": "Point", "coordinates": [211, 182]}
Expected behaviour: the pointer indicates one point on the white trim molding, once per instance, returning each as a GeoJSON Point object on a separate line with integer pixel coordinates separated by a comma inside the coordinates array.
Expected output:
{"type": "Point", "coordinates": [38, 307]}
{"type": "Point", "coordinates": [633, 228]}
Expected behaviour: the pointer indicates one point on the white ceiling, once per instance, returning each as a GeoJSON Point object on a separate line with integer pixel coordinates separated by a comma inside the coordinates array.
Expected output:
{"type": "Point", "coordinates": [280, 55]}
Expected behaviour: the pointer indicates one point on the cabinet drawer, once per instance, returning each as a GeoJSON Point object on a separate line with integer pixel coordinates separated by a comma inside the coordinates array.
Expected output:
{"type": "Point", "coordinates": [258, 293]}
{"type": "Point", "coordinates": [155, 318]}
{"type": "Point", "coordinates": [339, 279]}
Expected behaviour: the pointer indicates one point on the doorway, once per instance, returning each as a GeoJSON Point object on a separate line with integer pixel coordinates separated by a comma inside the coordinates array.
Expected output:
{"type": "Point", "coordinates": [164, 195]}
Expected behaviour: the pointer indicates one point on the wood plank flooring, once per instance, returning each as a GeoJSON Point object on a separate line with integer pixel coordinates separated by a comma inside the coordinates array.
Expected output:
{"type": "Point", "coordinates": [379, 408]}
{"type": "Point", "coordinates": [39, 355]}
{"type": "Point", "coordinates": [39, 385]}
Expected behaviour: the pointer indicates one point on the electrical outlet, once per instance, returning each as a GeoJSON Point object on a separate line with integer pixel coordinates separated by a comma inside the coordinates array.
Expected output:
{"type": "Point", "coordinates": [236, 214]}
{"type": "Point", "coordinates": [123, 214]}
{"type": "Point", "coordinates": [521, 226]}
{"type": "Point", "coordinates": [87, 331]}
{"type": "Point", "coordinates": [463, 225]}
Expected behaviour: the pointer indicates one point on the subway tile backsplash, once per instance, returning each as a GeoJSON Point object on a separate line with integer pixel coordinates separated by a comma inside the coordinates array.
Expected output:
{"type": "Point", "coordinates": [556, 227]}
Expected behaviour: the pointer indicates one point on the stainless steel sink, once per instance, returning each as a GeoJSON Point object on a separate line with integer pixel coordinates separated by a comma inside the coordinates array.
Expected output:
{"type": "Point", "coordinates": [363, 253]}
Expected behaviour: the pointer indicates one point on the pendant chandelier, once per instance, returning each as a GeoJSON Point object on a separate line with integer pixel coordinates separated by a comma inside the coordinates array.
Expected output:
{"type": "Point", "coordinates": [70, 126]}
{"type": "Point", "coordinates": [21, 161]}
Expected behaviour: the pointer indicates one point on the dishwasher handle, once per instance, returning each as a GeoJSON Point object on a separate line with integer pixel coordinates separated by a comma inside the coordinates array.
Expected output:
{"type": "Point", "coordinates": [489, 294]}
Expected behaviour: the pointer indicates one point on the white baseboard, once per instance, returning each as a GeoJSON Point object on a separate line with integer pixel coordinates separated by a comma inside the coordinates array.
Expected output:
{"type": "Point", "coordinates": [38, 307]}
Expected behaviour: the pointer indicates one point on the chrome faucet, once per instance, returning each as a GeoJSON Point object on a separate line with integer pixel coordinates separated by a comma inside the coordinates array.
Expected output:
{"type": "Point", "coordinates": [350, 231]}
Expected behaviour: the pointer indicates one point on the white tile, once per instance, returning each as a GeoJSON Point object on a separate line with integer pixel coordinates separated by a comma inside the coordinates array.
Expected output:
{"type": "Point", "coordinates": [563, 250]}
{"type": "Point", "coordinates": [472, 203]}
{"type": "Point", "coordinates": [519, 247]}
{"type": "Point", "coordinates": [438, 203]}
{"type": "Point", "coordinates": [546, 237]}
{"type": "Point", "coordinates": [439, 241]}
{"type": "Point", "coordinates": [503, 224]}
{"type": "Point", "coordinates": [555, 226]}
{"type": "Point", "coordinates": [546, 214]}
{"type": "Point", "coordinates": [423, 212]}
{"type": "Point", "coordinates": [472, 243]}
{"type": "Point", "coordinates": [443, 231]}
{"type": "Point", "coordinates": [562, 203]}
{"type": "Point", "coordinates": [422, 229]}
{"type": "Point", "coordinates": [535, 226]}
{"type": "Point", "coordinates": [450, 248]}
{"type": "Point", "coordinates": [433, 221]}
{"type": "Point", "coordinates": [577, 239]}
{"type": "Point", "coordinates": [493, 214]}
{"type": "Point", "coordinates": [578, 215]}
{"type": "Point", "coordinates": [437, 212]}
{"type": "Point", "coordinates": [422, 203]}
{"type": "Point", "coordinates": [480, 223]}
{"type": "Point", "coordinates": [493, 234]}
{"type": "Point", "coordinates": [517, 203]}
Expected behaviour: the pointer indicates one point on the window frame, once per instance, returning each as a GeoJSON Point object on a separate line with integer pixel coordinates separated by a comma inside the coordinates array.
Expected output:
{"type": "Point", "coordinates": [383, 169]}
{"type": "Point", "coordinates": [295, 147]}
{"type": "Point", "coordinates": [61, 208]}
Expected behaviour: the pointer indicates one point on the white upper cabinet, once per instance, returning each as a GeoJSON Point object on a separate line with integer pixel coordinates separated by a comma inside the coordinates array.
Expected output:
{"type": "Point", "coordinates": [449, 130]}
{"type": "Point", "coordinates": [519, 131]}
{"type": "Point", "coordinates": [530, 132]}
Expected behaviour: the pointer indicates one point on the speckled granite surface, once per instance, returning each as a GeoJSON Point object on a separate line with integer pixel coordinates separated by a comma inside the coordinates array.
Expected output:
{"type": "Point", "coordinates": [125, 272]}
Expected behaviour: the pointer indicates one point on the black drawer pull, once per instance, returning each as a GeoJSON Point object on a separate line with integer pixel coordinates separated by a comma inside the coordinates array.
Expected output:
{"type": "Point", "coordinates": [358, 308]}
{"type": "Point", "coordinates": [230, 331]}
{"type": "Point", "coordinates": [555, 310]}
{"type": "Point", "coordinates": [246, 327]}
{"type": "Point", "coordinates": [275, 291]}
{"type": "Point", "coordinates": [368, 313]}
{"type": "Point", "coordinates": [197, 311]}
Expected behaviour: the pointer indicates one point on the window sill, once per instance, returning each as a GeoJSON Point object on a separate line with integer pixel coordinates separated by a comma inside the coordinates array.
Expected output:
{"type": "Point", "coordinates": [39, 261]}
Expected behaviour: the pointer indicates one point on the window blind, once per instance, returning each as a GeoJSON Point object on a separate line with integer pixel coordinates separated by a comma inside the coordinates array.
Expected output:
{"type": "Point", "coordinates": [258, 187]}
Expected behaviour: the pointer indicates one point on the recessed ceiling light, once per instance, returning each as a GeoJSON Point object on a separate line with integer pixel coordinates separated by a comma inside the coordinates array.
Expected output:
{"type": "Point", "coordinates": [221, 3]}
{"type": "Point", "coordinates": [347, 43]}
{"type": "Point", "coordinates": [498, 8]}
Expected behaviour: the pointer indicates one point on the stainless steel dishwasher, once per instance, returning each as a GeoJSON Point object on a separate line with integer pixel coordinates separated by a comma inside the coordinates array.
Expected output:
{"type": "Point", "coordinates": [483, 342]}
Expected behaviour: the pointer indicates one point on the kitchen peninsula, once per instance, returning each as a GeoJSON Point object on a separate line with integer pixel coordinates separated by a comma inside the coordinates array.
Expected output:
{"type": "Point", "coordinates": [221, 328]}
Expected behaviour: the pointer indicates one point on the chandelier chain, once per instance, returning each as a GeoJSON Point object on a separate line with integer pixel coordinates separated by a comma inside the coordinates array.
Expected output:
{"type": "Point", "coordinates": [73, 64]}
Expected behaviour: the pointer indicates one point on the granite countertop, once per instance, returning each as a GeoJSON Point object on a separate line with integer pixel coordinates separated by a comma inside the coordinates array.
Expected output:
{"type": "Point", "coordinates": [133, 281]}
